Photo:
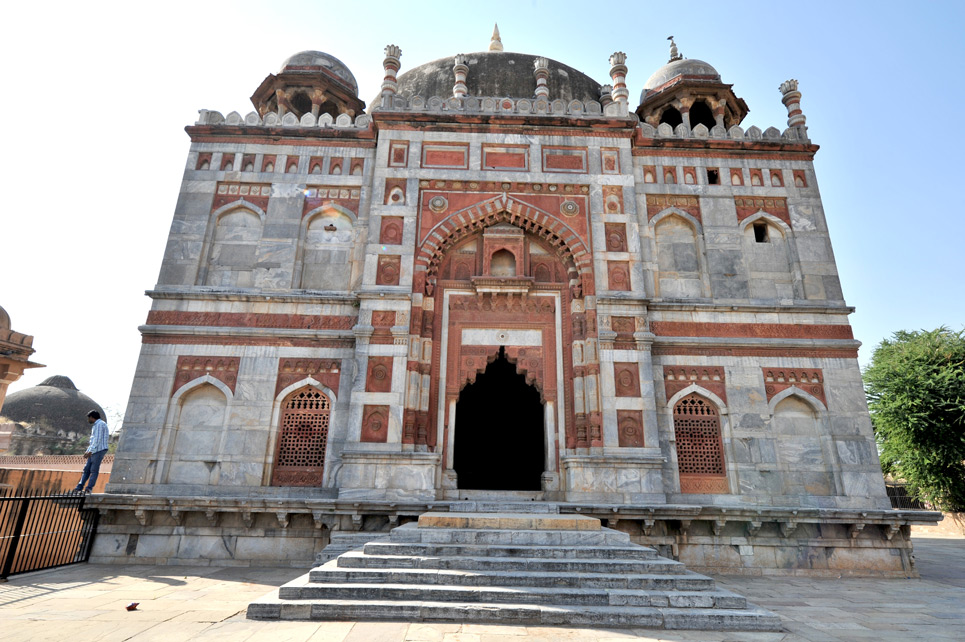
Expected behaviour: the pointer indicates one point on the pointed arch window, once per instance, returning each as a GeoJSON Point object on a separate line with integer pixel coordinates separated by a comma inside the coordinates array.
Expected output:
{"type": "Point", "coordinates": [700, 448]}
{"type": "Point", "coordinates": [302, 439]}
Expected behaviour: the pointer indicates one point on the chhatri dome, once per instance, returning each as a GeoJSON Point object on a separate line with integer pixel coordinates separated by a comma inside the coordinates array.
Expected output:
{"type": "Point", "coordinates": [314, 62]}
{"type": "Point", "coordinates": [4, 320]}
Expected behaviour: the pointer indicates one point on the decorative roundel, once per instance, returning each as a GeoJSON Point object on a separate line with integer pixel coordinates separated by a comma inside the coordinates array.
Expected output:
{"type": "Point", "coordinates": [506, 186]}
{"type": "Point", "coordinates": [438, 204]}
{"type": "Point", "coordinates": [614, 242]}
{"type": "Point", "coordinates": [379, 372]}
{"type": "Point", "coordinates": [473, 184]}
{"type": "Point", "coordinates": [585, 189]}
{"type": "Point", "coordinates": [569, 208]}
{"type": "Point", "coordinates": [612, 204]}
{"type": "Point", "coordinates": [626, 379]}
{"type": "Point", "coordinates": [470, 362]}
{"type": "Point", "coordinates": [769, 390]}
{"type": "Point", "coordinates": [537, 187]}
{"type": "Point", "coordinates": [553, 188]}
{"type": "Point", "coordinates": [376, 422]}
{"type": "Point", "coordinates": [629, 428]}
{"type": "Point", "coordinates": [501, 336]}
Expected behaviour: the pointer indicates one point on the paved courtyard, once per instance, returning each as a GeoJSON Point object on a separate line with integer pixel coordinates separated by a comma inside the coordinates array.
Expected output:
{"type": "Point", "coordinates": [87, 602]}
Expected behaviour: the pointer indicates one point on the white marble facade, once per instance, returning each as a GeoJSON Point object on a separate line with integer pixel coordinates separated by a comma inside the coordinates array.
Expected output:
{"type": "Point", "coordinates": [283, 220]}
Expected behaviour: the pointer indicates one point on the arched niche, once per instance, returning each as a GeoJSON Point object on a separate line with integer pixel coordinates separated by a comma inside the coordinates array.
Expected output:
{"type": "Point", "coordinates": [325, 255]}
{"type": "Point", "coordinates": [195, 434]}
{"type": "Point", "coordinates": [678, 250]}
{"type": "Point", "coordinates": [769, 258]}
{"type": "Point", "coordinates": [232, 247]}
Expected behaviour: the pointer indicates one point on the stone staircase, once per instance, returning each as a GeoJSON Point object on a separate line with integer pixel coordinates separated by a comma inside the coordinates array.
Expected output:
{"type": "Point", "coordinates": [536, 568]}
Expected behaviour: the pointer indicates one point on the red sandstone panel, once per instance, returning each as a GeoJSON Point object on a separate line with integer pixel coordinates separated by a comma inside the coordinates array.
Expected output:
{"type": "Point", "coordinates": [319, 195]}
{"type": "Point", "coordinates": [564, 159]}
{"type": "Point", "coordinates": [750, 205]}
{"type": "Point", "coordinates": [626, 377]}
{"type": "Point", "coordinates": [657, 203]}
{"type": "Point", "coordinates": [375, 424]}
{"type": "Point", "coordinates": [255, 193]}
{"type": "Point", "coordinates": [613, 199]}
{"type": "Point", "coordinates": [618, 275]}
{"type": "Point", "coordinates": [610, 160]}
{"type": "Point", "coordinates": [710, 378]}
{"type": "Point", "coordinates": [389, 270]}
{"type": "Point", "coordinates": [398, 153]}
{"type": "Point", "coordinates": [189, 368]}
{"type": "Point", "coordinates": [509, 157]}
{"type": "Point", "coordinates": [391, 230]}
{"type": "Point", "coordinates": [395, 191]}
{"type": "Point", "coordinates": [751, 330]}
{"type": "Point", "coordinates": [453, 156]}
{"type": "Point", "coordinates": [616, 237]}
{"type": "Point", "coordinates": [250, 320]}
{"type": "Point", "coordinates": [379, 375]}
{"type": "Point", "coordinates": [292, 370]}
{"type": "Point", "coordinates": [630, 428]}
{"type": "Point", "coordinates": [810, 380]}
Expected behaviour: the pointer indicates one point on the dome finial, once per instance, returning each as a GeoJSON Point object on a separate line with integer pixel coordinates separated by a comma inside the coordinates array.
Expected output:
{"type": "Point", "coordinates": [674, 54]}
{"type": "Point", "coordinates": [495, 44]}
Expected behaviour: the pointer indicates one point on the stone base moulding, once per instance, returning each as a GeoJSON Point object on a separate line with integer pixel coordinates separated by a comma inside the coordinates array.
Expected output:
{"type": "Point", "coordinates": [746, 541]}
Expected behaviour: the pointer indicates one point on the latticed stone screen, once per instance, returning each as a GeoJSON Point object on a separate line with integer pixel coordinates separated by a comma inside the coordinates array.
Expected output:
{"type": "Point", "coordinates": [700, 452]}
{"type": "Point", "coordinates": [302, 438]}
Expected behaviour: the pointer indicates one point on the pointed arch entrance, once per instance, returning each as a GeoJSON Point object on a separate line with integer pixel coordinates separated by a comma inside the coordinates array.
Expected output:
{"type": "Point", "coordinates": [499, 442]}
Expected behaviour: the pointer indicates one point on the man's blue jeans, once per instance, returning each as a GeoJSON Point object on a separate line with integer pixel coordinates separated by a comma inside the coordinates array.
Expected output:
{"type": "Point", "coordinates": [91, 470]}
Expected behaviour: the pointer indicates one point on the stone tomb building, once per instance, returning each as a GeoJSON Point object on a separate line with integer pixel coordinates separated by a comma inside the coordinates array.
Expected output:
{"type": "Point", "coordinates": [501, 281]}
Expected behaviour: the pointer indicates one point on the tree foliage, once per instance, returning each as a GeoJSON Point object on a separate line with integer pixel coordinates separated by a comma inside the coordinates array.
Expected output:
{"type": "Point", "coordinates": [916, 393]}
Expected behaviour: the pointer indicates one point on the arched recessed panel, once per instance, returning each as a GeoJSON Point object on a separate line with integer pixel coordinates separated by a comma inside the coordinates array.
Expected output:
{"type": "Point", "coordinates": [797, 433]}
{"type": "Point", "coordinates": [326, 259]}
{"type": "Point", "coordinates": [503, 263]}
{"type": "Point", "coordinates": [197, 435]}
{"type": "Point", "coordinates": [700, 448]}
{"type": "Point", "coordinates": [234, 244]}
{"type": "Point", "coordinates": [302, 439]}
{"type": "Point", "coordinates": [678, 259]}
{"type": "Point", "coordinates": [768, 261]}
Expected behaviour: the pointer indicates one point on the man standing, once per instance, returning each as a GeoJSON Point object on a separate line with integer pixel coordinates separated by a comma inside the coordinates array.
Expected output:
{"type": "Point", "coordinates": [95, 452]}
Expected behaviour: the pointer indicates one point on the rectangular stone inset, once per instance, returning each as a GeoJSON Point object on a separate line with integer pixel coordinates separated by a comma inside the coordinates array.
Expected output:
{"type": "Point", "coordinates": [375, 424]}
{"type": "Point", "coordinates": [398, 153]}
{"type": "Point", "coordinates": [379, 375]}
{"type": "Point", "coordinates": [389, 270]}
{"type": "Point", "coordinates": [509, 521]}
{"type": "Point", "coordinates": [564, 159]}
{"type": "Point", "coordinates": [448, 156]}
{"type": "Point", "coordinates": [505, 157]}
{"type": "Point", "coordinates": [630, 428]}
{"type": "Point", "coordinates": [496, 337]}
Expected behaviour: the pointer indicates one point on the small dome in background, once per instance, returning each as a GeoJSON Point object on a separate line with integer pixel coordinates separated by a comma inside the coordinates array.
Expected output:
{"type": "Point", "coordinates": [55, 402]}
{"type": "Point", "coordinates": [315, 61]}
{"type": "Point", "coordinates": [4, 320]}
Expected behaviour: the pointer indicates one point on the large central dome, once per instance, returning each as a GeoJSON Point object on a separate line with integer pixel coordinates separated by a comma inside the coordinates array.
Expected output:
{"type": "Point", "coordinates": [500, 74]}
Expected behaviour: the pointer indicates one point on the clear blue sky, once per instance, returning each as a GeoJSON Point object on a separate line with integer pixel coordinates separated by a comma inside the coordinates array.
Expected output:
{"type": "Point", "coordinates": [96, 97]}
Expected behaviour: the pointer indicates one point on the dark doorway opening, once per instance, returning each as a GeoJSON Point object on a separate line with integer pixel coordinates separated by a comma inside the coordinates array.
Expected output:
{"type": "Point", "coordinates": [499, 431]}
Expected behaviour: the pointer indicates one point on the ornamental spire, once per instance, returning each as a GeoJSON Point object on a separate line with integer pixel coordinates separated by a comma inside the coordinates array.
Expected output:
{"type": "Point", "coordinates": [674, 54]}
{"type": "Point", "coordinates": [496, 44]}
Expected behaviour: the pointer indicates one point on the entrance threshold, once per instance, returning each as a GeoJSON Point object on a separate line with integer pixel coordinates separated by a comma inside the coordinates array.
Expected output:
{"type": "Point", "coordinates": [513, 496]}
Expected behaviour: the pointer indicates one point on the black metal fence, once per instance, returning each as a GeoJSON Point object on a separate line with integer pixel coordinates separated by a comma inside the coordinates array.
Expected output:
{"type": "Point", "coordinates": [901, 499]}
{"type": "Point", "coordinates": [44, 532]}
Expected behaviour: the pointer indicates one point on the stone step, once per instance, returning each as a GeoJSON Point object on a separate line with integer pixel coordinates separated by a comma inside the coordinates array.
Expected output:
{"type": "Point", "coordinates": [411, 533]}
{"type": "Point", "coordinates": [356, 559]}
{"type": "Point", "coordinates": [509, 521]}
{"type": "Point", "coordinates": [687, 581]}
{"type": "Point", "coordinates": [495, 506]}
{"type": "Point", "coordinates": [751, 619]}
{"type": "Point", "coordinates": [477, 550]}
{"type": "Point", "coordinates": [342, 542]}
{"type": "Point", "coordinates": [512, 595]}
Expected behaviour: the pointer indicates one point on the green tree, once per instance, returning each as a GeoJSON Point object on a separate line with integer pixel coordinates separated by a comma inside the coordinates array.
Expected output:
{"type": "Point", "coordinates": [916, 393]}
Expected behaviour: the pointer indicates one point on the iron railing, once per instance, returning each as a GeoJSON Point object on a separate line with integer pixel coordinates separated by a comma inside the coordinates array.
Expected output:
{"type": "Point", "coordinates": [900, 499]}
{"type": "Point", "coordinates": [44, 532]}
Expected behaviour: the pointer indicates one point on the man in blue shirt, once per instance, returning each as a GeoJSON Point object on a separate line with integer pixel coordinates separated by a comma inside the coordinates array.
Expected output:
{"type": "Point", "coordinates": [95, 452]}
